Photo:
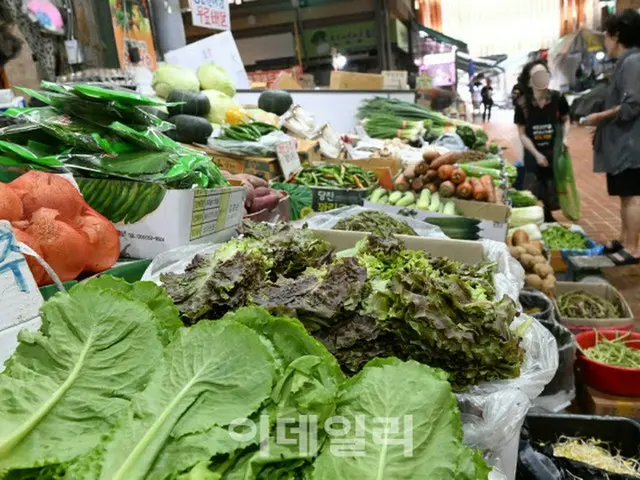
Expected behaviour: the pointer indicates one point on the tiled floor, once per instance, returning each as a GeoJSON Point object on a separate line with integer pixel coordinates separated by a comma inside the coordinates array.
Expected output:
{"type": "Point", "coordinates": [600, 213]}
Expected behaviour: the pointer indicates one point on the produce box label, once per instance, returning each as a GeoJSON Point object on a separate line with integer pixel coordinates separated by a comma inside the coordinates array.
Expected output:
{"type": "Point", "coordinates": [324, 199]}
{"type": "Point", "coordinates": [214, 211]}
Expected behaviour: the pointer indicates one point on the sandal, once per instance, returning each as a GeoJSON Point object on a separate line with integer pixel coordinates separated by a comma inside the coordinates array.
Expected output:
{"type": "Point", "coordinates": [623, 258]}
{"type": "Point", "coordinates": [615, 246]}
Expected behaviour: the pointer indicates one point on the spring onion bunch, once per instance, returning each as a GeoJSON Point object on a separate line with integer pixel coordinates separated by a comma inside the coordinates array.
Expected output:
{"type": "Point", "coordinates": [389, 126]}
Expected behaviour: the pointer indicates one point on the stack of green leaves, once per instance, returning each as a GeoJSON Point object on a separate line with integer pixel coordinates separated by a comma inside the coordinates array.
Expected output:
{"type": "Point", "coordinates": [102, 132]}
{"type": "Point", "coordinates": [113, 387]}
{"type": "Point", "coordinates": [377, 300]}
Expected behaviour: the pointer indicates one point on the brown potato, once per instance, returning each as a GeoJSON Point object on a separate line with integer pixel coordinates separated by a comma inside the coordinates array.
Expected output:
{"type": "Point", "coordinates": [520, 237]}
{"type": "Point", "coordinates": [531, 249]}
{"type": "Point", "coordinates": [526, 261]}
{"type": "Point", "coordinates": [543, 270]}
{"type": "Point", "coordinates": [533, 281]}
{"type": "Point", "coordinates": [516, 252]}
{"type": "Point", "coordinates": [549, 286]}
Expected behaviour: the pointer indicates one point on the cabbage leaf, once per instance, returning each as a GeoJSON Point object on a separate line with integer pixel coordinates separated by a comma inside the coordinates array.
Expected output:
{"type": "Point", "coordinates": [202, 375]}
{"type": "Point", "coordinates": [64, 386]}
{"type": "Point", "coordinates": [431, 447]}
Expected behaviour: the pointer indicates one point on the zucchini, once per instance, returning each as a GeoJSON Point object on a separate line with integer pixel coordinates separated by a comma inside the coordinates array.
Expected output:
{"type": "Point", "coordinates": [434, 205]}
{"type": "Point", "coordinates": [407, 199]}
{"type": "Point", "coordinates": [423, 201]}
{"type": "Point", "coordinates": [377, 195]}
{"type": "Point", "coordinates": [190, 129]}
{"type": "Point", "coordinates": [191, 103]}
{"type": "Point", "coordinates": [394, 197]}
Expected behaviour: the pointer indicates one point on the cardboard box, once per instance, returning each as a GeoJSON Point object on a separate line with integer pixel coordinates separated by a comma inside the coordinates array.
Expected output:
{"type": "Point", "coordinates": [603, 290]}
{"type": "Point", "coordinates": [593, 402]}
{"type": "Point", "coordinates": [168, 218]}
{"type": "Point", "coordinates": [458, 250]}
{"type": "Point", "coordinates": [355, 81]}
{"type": "Point", "coordinates": [480, 220]}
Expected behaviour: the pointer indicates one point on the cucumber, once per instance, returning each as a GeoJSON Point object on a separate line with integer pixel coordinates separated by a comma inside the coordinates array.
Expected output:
{"type": "Point", "coordinates": [101, 194]}
{"type": "Point", "coordinates": [377, 195]}
{"type": "Point", "coordinates": [130, 195]}
{"type": "Point", "coordinates": [434, 205]}
{"type": "Point", "coordinates": [423, 201]}
{"type": "Point", "coordinates": [449, 208]}
{"type": "Point", "coordinates": [407, 199]}
{"type": "Point", "coordinates": [394, 197]}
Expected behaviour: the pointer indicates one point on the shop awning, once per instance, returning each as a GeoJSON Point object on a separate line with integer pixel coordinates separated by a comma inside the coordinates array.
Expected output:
{"type": "Point", "coordinates": [480, 64]}
{"type": "Point", "coordinates": [441, 37]}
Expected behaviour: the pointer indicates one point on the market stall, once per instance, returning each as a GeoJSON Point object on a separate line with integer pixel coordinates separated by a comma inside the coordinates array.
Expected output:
{"type": "Point", "coordinates": [410, 268]}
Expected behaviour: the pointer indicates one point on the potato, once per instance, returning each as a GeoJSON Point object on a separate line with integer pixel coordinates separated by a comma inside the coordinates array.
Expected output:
{"type": "Point", "coordinates": [526, 261]}
{"type": "Point", "coordinates": [538, 245]}
{"type": "Point", "coordinates": [539, 259]}
{"type": "Point", "coordinates": [533, 281]}
{"type": "Point", "coordinates": [531, 249]}
{"type": "Point", "coordinates": [520, 237]}
{"type": "Point", "coordinates": [543, 270]}
{"type": "Point", "coordinates": [549, 286]}
{"type": "Point", "coordinates": [516, 252]}
{"type": "Point", "coordinates": [510, 241]}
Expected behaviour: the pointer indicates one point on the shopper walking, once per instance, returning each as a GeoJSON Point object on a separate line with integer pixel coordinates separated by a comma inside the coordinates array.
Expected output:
{"type": "Point", "coordinates": [487, 100]}
{"type": "Point", "coordinates": [617, 138]}
{"type": "Point", "coordinates": [540, 114]}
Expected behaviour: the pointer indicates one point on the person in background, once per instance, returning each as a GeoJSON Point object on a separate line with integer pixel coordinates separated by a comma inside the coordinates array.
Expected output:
{"type": "Point", "coordinates": [540, 114]}
{"type": "Point", "coordinates": [487, 100]}
{"type": "Point", "coordinates": [617, 138]}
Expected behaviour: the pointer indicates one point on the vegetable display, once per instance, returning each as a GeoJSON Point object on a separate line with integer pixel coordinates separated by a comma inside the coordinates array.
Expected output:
{"type": "Point", "coordinates": [614, 352]}
{"type": "Point", "coordinates": [557, 238]}
{"type": "Point", "coordinates": [343, 175]}
{"type": "Point", "coordinates": [539, 274]}
{"type": "Point", "coordinates": [84, 122]}
{"type": "Point", "coordinates": [112, 386]}
{"type": "Point", "coordinates": [375, 222]}
{"type": "Point", "coordinates": [249, 132]}
{"type": "Point", "coordinates": [586, 305]}
{"type": "Point", "coordinates": [364, 306]}
{"type": "Point", "coordinates": [49, 214]}
{"type": "Point", "coordinates": [521, 198]}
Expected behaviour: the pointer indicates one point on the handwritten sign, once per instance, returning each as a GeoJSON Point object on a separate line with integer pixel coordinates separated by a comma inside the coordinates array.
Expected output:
{"type": "Point", "coordinates": [288, 158]}
{"type": "Point", "coordinates": [220, 49]}
{"type": "Point", "coordinates": [213, 14]}
{"type": "Point", "coordinates": [20, 300]}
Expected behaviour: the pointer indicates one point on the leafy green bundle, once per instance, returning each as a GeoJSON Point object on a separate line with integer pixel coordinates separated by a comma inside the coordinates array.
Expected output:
{"type": "Point", "coordinates": [376, 222]}
{"type": "Point", "coordinates": [378, 300]}
{"type": "Point", "coordinates": [113, 387]}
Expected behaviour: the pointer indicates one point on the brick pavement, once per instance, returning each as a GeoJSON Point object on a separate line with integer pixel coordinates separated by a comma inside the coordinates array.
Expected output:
{"type": "Point", "coordinates": [600, 213]}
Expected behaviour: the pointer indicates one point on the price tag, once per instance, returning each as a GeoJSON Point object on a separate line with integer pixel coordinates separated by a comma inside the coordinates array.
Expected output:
{"type": "Point", "coordinates": [288, 158]}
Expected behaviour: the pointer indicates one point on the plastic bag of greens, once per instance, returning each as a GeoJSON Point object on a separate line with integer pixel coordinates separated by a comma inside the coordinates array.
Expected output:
{"type": "Point", "coordinates": [565, 181]}
{"type": "Point", "coordinates": [264, 147]}
{"type": "Point", "coordinates": [149, 138]}
{"type": "Point", "coordinates": [328, 220]}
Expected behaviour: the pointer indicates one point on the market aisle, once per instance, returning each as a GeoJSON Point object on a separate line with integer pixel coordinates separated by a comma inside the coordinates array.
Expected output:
{"type": "Point", "coordinates": [600, 217]}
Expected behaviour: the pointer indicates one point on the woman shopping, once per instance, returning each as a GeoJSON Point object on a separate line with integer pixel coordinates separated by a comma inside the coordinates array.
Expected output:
{"type": "Point", "coordinates": [617, 139]}
{"type": "Point", "coordinates": [541, 115]}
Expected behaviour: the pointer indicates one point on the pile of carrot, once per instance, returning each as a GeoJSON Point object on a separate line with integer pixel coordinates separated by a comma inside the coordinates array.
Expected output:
{"type": "Point", "coordinates": [49, 214]}
{"type": "Point", "coordinates": [442, 174]}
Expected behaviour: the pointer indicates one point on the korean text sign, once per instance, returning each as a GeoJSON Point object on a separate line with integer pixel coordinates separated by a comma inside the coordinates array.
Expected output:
{"type": "Point", "coordinates": [213, 14]}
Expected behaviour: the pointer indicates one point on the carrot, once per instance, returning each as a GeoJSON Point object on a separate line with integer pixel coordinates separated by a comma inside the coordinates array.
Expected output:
{"type": "Point", "coordinates": [479, 192]}
{"type": "Point", "coordinates": [458, 176]}
{"type": "Point", "coordinates": [430, 176]}
{"type": "Point", "coordinates": [64, 248]}
{"type": "Point", "coordinates": [421, 168]}
{"type": "Point", "coordinates": [39, 189]}
{"type": "Point", "coordinates": [36, 269]}
{"type": "Point", "coordinates": [102, 238]}
{"type": "Point", "coordinates": [445, 171]}
{"type": "Point", "coordinates": [464, 190]}
{"type": "Point", "coordinates": [448, 158]}
{"type": "Point", "coordinates": [10, 204]}
{"type": "Point", "coordinates": [487, 183]}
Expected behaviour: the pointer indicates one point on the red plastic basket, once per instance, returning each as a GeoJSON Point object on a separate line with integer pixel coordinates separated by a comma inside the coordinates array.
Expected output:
{"type": "Point", "coordinates": [608, 378]}
{"type": "Point", "coordinates": [576, 329]}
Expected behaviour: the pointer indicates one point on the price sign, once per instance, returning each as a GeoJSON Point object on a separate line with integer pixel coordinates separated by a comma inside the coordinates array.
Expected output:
{"type": "Point", "coordinates": [288, 158]}
{"type": "Point", "coordinates": [213, 14]}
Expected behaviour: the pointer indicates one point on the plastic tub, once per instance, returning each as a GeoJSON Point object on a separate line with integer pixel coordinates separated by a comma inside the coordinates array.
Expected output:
{"type": "Point", "coordinates": [608, 378]}
{"type": "Point", "coordinates": [621, 434]}
{"type": "Point", "coordinates": [534, 299]}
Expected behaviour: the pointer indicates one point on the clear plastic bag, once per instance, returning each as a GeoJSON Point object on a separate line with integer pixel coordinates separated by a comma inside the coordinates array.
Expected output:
{"type": "Point", "coordinates": [327, 220]}
{"type": "Point", "coordinates": [264, 147]}
{"type": "Point", "coordinates": [450, 141]}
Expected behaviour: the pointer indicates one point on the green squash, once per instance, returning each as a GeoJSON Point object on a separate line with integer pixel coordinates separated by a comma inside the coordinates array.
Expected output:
{"type": "Point", "coordinates": [275, 101]}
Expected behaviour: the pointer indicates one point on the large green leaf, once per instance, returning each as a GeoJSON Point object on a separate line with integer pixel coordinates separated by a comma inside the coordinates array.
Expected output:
{"type": "Point", "coordinates": [391, 389]}
{"type": "Point", "coordinates": [218, 371]}
{"type": "Point", "coordinates": [164, 310]}
{"type": "Point", "coordinates": [65, 385]}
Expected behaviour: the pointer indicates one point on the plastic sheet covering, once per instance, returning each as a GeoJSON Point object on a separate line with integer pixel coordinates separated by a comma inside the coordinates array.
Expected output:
{"type": "Point", "coordinates": [327, 220]}
{"type": "Point", "coordinates": [450, 141]}
{"type": "Point", "coordinates": [264, 147]}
